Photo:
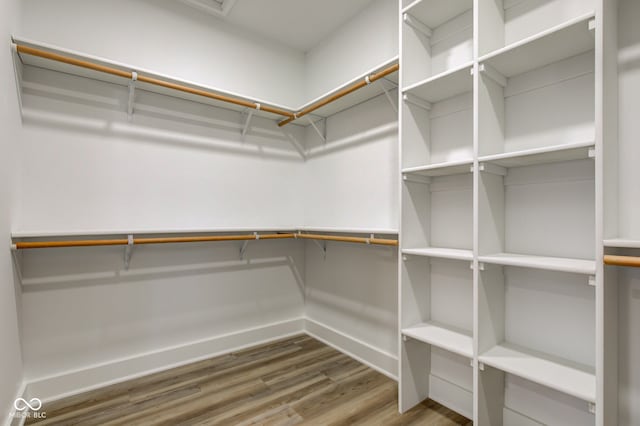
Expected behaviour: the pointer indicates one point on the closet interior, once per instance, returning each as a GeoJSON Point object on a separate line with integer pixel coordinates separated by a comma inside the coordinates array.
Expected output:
{"type": "Point", "coordinates": [443, 190]}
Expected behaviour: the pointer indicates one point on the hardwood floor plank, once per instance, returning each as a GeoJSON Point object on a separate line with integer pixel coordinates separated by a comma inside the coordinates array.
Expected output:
{"type": "Point", "coordinates": [293, 381]}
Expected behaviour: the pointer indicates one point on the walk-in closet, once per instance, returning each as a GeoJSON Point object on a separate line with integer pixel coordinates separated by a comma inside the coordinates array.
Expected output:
{"type": "Point", "coordinates": [281, 212]}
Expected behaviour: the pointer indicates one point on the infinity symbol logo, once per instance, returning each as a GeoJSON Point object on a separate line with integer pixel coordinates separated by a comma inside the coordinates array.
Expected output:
{"type": "Point", "coordinates": [21, 404]}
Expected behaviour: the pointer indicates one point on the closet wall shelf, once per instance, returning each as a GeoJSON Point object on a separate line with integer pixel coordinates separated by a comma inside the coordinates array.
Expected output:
{"type": "Point", "coordinates": [563, 41]}
{"type": "Point", "coordinates": [440, 252]}
{"type": "Point", "coordinates": [383, 79]}
{"type": "Point", "coordinates": [434, 13]}
{"type": "Point", "coordinates": [622, 243]}
{"type": "Point", "coordinates": [550, 154]}
{"type": "Point", "coordinates": [360, 89]}
{"type": "Point", "coordinates": [443, 337]}
{"type": "Point", "coordinates": [567, 377]}
{"type": "Point", "coordinates": [70, 62]}
{"type": "Point", "coordinates": [441, 169]}
{"type": "Point", "coordinates": [559, 264]}
{"type": "Point", "coordinates": [443, 86]}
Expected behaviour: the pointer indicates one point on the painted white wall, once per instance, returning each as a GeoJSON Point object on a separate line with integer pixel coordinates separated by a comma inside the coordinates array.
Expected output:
{"type": "Point", "coordinates": [171, 38]}
{"type": "Point", "coordinates": [176, 165]}
{"type": "Point", "coordinates": [628, 282]}
{"type": "Point", "coordinates": [82, 309]}
{"type": "Point", "coordinates": [353, 290]}
{"type": "Point", "coordinates": [629, 126]}
{"type": "Point", "coordinates": [365, 41]}
{"type": "Point", "coordinates": [351, 181]}
{"type": "Point", "coordinates": [10, 354]}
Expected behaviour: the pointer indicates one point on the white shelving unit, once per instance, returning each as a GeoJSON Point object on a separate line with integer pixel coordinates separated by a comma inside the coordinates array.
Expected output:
{"type": "Point", "coordinates": [500, 159]}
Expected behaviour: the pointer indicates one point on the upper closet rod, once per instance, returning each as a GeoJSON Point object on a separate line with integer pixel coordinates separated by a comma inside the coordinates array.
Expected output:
{"type": "Point", "coordinates": [128, 74]}
{"type": "Point", "coordinates": [364, 82]}
{"type": "Point", "coordinates": [22, 245]}
{"type": "Point", "coordinates": [612, 260]}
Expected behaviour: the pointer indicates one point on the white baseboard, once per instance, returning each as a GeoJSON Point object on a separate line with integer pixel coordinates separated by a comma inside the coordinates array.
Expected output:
{"type": "Point", "coordinates": [97, 376]}
{"type": "Point", "coordinates": [367, 354]}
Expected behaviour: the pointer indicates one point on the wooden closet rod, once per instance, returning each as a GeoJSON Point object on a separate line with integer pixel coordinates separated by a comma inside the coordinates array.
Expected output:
{"type": "Point", "coordinates": [22, 245]}
{"type": "Point", "coordinates": [376, 241]}
{"type": "Point", "coordinates": [159, 240]}
{"type": "Point", "coordinates": [360, 84]}
{"type": "Point", "coordinates": [150, 80]}
{"type": "Point", "coordinates": [631, 261]}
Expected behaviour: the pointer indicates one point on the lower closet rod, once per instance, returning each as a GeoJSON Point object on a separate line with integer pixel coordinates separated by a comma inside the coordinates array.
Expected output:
{"type": "Point", "coordinates": [612, 260]}
{"type": "Point", "coordinates": [162, 240]}
{"type": "Point", "coordinates": [377, 241]}
{"type": "Point", "coordinates": [22, 245]}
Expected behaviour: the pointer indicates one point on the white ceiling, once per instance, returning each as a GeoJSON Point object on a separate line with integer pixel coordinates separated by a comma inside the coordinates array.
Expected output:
{"type": "Point", "coordinates": [300, 24]}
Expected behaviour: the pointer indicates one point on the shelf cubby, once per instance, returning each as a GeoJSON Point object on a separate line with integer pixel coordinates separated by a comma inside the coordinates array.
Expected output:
{"type": "Point", "coordinates": [438, 215]}
{"type": "Point", "coordinates": [437, 37]}
{"type": "Point", "coordinates": [532, 100]}
{"type": "Point", "coordinates": [437, 330]}
{"type": "Point", "coordinates": [539, 216]}
{"type": "Point", "coordinates": [507, 24]}
{"type": "Point", "coordinates": [524, 330]}
{"type": "Point", "coordinates": [438, 122]}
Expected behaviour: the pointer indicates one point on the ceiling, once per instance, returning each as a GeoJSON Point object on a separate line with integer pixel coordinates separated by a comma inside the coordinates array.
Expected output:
{"type": "Point", "coordinates": [300, 24]}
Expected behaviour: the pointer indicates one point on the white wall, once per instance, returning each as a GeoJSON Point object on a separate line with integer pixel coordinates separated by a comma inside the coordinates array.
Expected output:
{"type": "Point", "coordinates": [354, 292]}
{"type": "Point", "coordinates": [81, 308]}
{"type": "Point", "coordinates": [628, 282]}
{"type": "Point", "coordinates": [10, 354]}
{"type": "Point", "coordinates": [171, 38]}
{"type": "Point", "coordinates": [365, 41]}
{"type": "Point", "coordinates": [351, 181]}
{"type": "Point", "coordinates": [86, 167]}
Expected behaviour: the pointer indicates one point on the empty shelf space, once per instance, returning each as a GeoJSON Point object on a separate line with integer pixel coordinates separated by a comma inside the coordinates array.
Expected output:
{"type": "Point", "coordinates": [442, 86]}
{"type": "Point", "coordinates": [440, 252]}
{"type": "Point", "coordinates": [550, 154]}
{"type": "Point", "coordinates": [563, 41]}
{"type": "Point", "coordinates": [441, 169]}
{"type": "Point", "coordinates": [577, 266]}
{"type": "Point", "coordinates": [434, 13]}
{"type": "Point", "coordinates": [564, 376]}
{"type": "Point", "coordinates": [442, 337]}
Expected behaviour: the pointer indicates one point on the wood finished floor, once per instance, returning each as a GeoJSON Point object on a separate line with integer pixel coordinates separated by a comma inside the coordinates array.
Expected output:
{"type": "Point", "coordinates": [293, 381]}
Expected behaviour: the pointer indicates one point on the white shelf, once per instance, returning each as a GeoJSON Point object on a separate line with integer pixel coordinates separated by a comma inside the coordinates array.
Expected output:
{"type": "Point", "coordinates": [443, 337]}
{"type": "Point", "coordinates": [441, 169]}
{"type": "Point", "coordinates": [561, 375]}
{"type": "Point", "coordinates": [100, 76]}
{"type": "Point", "coordinates": [560, 264]}
{"type": "Point", "coordinates": [434, 13]}
{"type": "Point", "coordinates": [561, 42]}
{"type": "Point", "coordinates": [550, 154]}
{"type": "Point", "coordinates": [110, 232]}
{"type": "Point", "coordinates": [445, 85]}
{"type": "Point", "coordinates": [622, 243]}
{"type": "Point", "coordinates": [440, 252]}
{"type": "Point", "coordinates": [361, 95]}
{"type": "Point", "coordinates": [355, 98]}
{"type": "Point", "coordinates": [387, 231]}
